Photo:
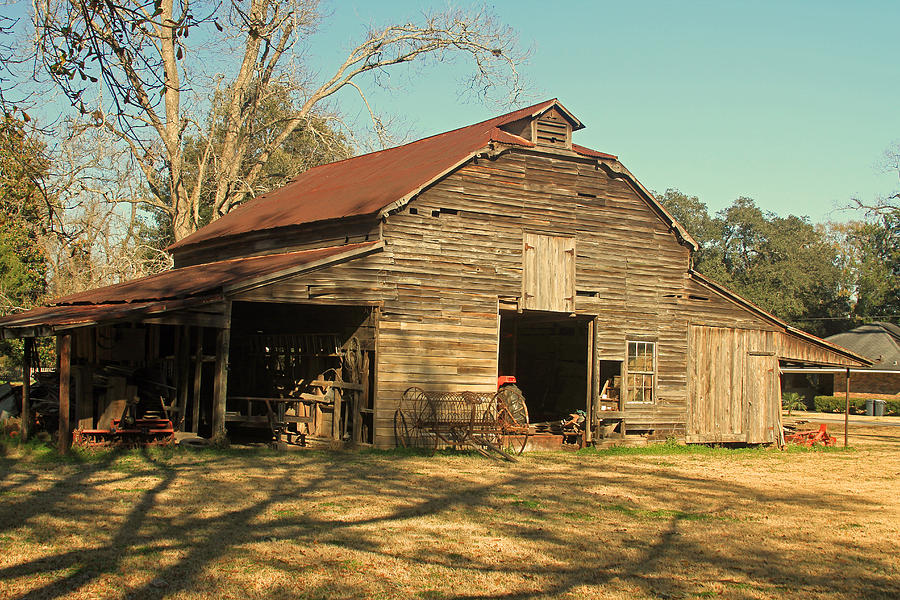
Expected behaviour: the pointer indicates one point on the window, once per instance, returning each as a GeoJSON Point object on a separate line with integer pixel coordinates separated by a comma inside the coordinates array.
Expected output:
{"type": "Point", "coordinates": [641, 371]}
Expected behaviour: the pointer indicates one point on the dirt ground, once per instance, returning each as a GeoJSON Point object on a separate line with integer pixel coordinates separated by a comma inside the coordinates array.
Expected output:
{"type": "Point", "coordinates": [669, 522]}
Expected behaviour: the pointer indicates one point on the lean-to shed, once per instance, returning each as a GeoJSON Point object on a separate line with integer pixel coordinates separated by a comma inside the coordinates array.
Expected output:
{"type": "Point", "coordinates": [501, 248]}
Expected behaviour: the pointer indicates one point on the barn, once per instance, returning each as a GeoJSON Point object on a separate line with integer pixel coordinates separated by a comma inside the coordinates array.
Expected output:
{"type": "Point", "coordinates": [501, 248]}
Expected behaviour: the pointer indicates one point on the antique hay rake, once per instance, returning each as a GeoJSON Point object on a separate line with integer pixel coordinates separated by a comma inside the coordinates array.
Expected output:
{"type": "Point", "coordinates": [484, 422]}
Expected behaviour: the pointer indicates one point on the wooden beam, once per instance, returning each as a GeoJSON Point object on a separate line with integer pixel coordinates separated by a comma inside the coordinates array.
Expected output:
{"type": "Point", "coordinates": [847, 407]}
{"type": "Point", "coordinates": [361, 399]}
{"type": "Point", "coordinates": [198, 379]}
{"type": "Point", "coordinates": [64, 433]}
{"type": "Point", "coordinates": [83, 378]}
{"type": "Point", "coordinates": [591, 367]}
{"type": "Point", "coordinates": [220, 386]}
{"type": "Point", "coordinates": [336, 414]}
{"type": "Point", "coordinates": [182, 376]}
{"type": "Point", "coordinates": [186, 319]}
{"type": "Point", "coordinates": [25, 428]}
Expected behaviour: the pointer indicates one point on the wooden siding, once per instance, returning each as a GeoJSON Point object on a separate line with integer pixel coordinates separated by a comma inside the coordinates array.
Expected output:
{"type": "Point", "coordinates": [794, 348]}
{"type": "Point", "coordinates": [466, 235]}
{"type": "Point", "coordinates": [552, 129]}
{"type": "Point", "coordinates": [286, 239]}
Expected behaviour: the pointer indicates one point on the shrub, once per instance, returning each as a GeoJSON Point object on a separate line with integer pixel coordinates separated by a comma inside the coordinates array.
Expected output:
{"type": "Point", "coordinates": [835, 404]}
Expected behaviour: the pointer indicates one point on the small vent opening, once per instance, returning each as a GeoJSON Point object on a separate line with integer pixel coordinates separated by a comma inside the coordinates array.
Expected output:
{"type": "Point", "coordinates": [552, 133]}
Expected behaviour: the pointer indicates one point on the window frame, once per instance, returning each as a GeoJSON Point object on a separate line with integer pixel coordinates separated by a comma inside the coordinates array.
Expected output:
{"type": "Point", "coordinates": [652, 373]}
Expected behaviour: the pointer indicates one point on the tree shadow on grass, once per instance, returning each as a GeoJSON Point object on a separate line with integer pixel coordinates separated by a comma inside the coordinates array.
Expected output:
{"type": "Point", "coordinates": [636, 525]}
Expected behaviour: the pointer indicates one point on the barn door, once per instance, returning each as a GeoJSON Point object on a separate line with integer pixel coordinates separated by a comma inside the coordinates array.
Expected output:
{"type": "Point", "coordinates": [548, 273]}
{"type": "Point", "coordinates": [715, 385]}
{"type": "Point", "coordinates": [760, 392]}
{"type": "Point", "coordinates": [732, 385]}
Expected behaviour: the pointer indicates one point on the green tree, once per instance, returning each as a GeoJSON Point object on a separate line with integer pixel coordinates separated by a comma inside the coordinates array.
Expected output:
{"type": "Point", "coordinates": [23, 215]}
{"type": "Point", "coordinates": [784, 265]}
{"type": "Point", "coordinates": [691, 212]}
{"type": "Point", "coordinates": [312, 144]}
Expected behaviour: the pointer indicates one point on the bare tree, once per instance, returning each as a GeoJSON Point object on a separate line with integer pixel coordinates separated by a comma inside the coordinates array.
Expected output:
{"type": "Point", "coordinates": [138, 52]}
{"type": "Point", "coordinates": [887, 204]}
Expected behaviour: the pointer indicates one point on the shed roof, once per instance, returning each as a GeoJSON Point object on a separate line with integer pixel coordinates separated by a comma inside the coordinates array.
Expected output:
{"type": "Point", "coordinates": [178, 288]}
{"type": "Point", "coordinates": [370, 183]}
{"type": "Point", "coordinates": [879, 341]}
{"type": "Point", "coordinates": [807, 337]}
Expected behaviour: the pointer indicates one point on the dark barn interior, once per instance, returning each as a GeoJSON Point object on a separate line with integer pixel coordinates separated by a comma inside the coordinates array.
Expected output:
{"type": "Point", "coordinates": [548, 354]}
{"type": "Point", "coordinates": [294, 366]}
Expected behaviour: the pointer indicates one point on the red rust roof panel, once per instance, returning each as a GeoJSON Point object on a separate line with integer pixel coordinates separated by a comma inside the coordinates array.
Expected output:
{"type": "Point", "coordinates": [81, 314]}
{"type": "Point", "coordinates": [366, 184]}
{"type": "Point", "coordinates": [198, 279]}
{"type": "Point", "coordinates": [164, 290]}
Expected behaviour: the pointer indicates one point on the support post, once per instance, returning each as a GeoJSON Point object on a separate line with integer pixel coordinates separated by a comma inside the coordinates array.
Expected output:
{"type": "Point", "coordinates": [183, 365]}
{"type": "Point", "coordinates": [64, 433]}
{"type": "Point", "coordinates": [198, 379]}
{"type": "Point", "coordinates": [25, 427]}
{"type": "Point", "coordinates": [847, 407]}
{"type": "Point", "coordinates": [220, 389]}
{"type": "Point", "coordinates": [591, 367]}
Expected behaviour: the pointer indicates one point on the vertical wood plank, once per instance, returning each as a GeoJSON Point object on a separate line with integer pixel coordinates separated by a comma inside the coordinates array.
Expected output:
{"type": "Point", "coordinates": [64, 433]}
{"type": "Point", "coordinates": [220, 386]}
{"type": "Point", "coordinates": [846, 407]}
{"type": "Point", "coordinates": [336, 413]}
{"type": "Point", "coordinates": [183, 367]}
{"type": "Point", "coordinates": [25, 428]}
{"type": "Point", "coordinates": [198, 379]}
{"type": "Point", "coordinates": [589, 400]}
{"type": "Point", "coordinates": [363, 402]}
{"type": "Point", "coordinates": [84, 397]}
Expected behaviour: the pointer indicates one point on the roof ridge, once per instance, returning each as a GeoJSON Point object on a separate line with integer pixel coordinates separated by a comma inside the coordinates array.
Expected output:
{"type": "Point", "coordinates": [434, 135]}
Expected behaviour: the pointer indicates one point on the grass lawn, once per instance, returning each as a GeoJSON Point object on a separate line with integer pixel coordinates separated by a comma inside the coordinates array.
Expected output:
{"type": "Point", "coordinates": [667, 522]}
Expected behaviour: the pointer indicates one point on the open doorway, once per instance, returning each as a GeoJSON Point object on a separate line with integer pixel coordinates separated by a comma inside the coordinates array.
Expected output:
{"type": "Point", "coordinates": [548, 353]}
{"type": "Point", "coordinates": [302, 373]}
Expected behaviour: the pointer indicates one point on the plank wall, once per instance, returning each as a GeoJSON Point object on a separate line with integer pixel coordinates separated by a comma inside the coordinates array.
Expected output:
{"type": "Point", "coordinates": [461, 247]}
{"type": "Point", "coordinates": [455, 249]}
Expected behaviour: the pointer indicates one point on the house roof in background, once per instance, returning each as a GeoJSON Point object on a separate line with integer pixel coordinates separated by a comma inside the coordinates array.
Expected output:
{"type": "Point", "coordinates": [879, 341]}
{"type": "Point", "coordinates": [370, 183]}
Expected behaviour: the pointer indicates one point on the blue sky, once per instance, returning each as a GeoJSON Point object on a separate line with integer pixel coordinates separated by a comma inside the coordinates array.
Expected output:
{"type": "Point", "coordinates": [790, 103]}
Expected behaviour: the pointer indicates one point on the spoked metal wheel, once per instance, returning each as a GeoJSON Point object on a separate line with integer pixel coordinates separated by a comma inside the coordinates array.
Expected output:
{"type": "Point", "coordinates": [422, 430]}
{"type": "Point", "coordinates": [414, 421]}
{"type": "Point", "coordinates": [401, 429]}
{"type": "Point", "coordinates": [512, 413]}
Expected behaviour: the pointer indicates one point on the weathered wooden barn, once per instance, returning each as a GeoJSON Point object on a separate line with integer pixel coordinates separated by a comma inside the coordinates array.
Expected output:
{"type": "Point", "coordinates": [501, 248]}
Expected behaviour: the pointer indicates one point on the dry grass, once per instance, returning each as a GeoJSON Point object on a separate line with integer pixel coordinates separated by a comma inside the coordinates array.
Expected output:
{"type": "Point", "coordinates": [664, 523]}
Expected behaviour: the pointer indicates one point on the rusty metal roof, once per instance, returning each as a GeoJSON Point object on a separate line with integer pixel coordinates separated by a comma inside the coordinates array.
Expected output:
{"type": "Point", "coordinates": [178, 287]}
{"type": "Point", "coordinates": [85, 314]}
{"type": "Point", "coordinates": [367, 184]}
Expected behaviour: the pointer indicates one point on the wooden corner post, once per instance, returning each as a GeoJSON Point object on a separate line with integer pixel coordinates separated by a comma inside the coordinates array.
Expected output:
{"type": "Point", "coordinates": [847, 407]}
{"type": "Point", "coordinates": [220, 385]}
{"type": "Point", "coordinates": [25, 428]}
{"type": "Point", "coordinates": [64, 433]}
